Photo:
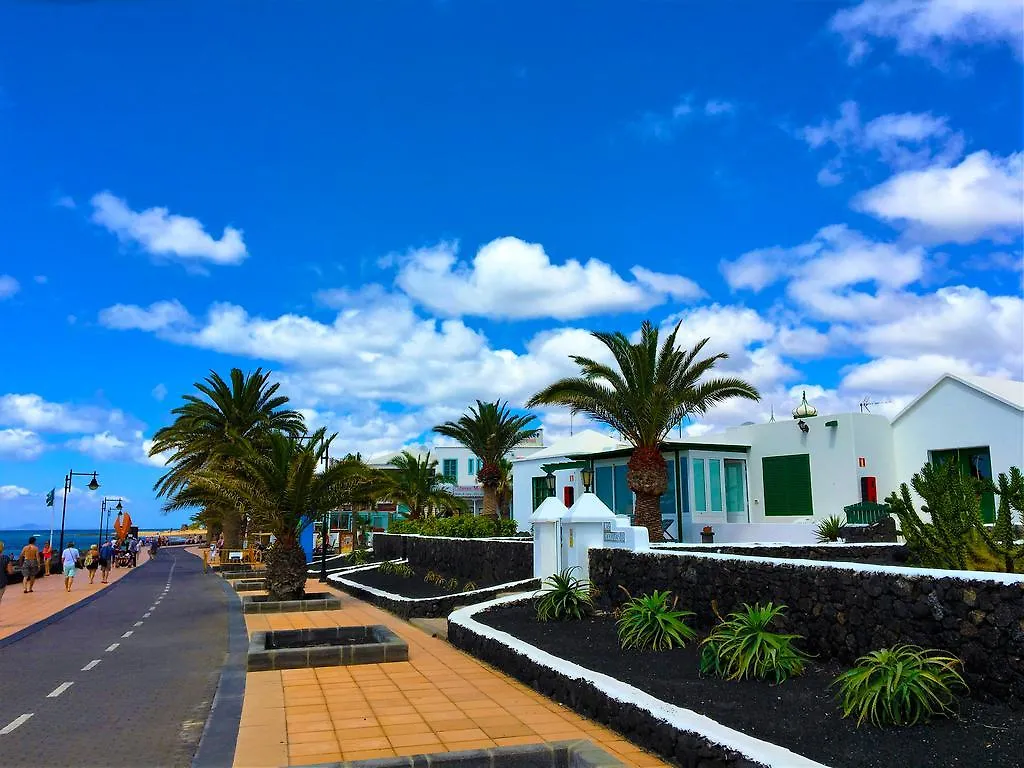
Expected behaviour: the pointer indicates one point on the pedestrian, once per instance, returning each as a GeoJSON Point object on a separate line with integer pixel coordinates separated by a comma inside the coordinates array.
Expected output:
{"type": "Point", "coordinates": [133, 547]}
{"type": "Point", "coordinates": [29, 565]}
{"type": "Point", "coordinates": [69, 558]}
{"type": "Point", "coordinates": [154, 545]}
{"type": "Point", "coordinates": [106, 555]}
{"type": "Point", "coordinates": [92, 562]}
{"type": "Point", "coordinates": [6, 569]}
{"type": "Point", "coordinates": [47, 556]}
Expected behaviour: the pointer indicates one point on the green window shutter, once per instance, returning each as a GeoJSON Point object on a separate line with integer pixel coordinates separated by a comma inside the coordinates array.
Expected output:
{"type": "Point", "coordinates": [540, 491]}
{"type": "Point", "coordinates": [700, 502]}
{"type": "Point", "coordinates": [451, 469]}
{"type": "Point", "coordinates": [787, 485]}
{"type": "Point", "coordinates": [715, 481]}
{"type": "Point", "coordinates": [603, 481]}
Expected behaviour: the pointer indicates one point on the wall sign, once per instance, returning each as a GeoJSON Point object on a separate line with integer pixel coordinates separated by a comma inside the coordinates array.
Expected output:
{"type": "Point", "coordinates": [862, 462]}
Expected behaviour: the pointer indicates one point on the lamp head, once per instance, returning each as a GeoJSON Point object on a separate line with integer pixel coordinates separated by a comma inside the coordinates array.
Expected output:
{"type": "Point", "coordinates": [550, 482]}
{"type": "Point", "coordinates": [803, 426]}
{"type": "Point", "coordinates": [118, 507]}
{"type": "Point", "coordinates": [93, 484]}
{"type": "Point", "coordinates": [587, 476]}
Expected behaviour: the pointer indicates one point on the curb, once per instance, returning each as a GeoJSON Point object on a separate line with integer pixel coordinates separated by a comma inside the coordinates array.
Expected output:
{"type": "Point", "coordinates": [31, 629]}
{"type": "Point", "coordinates": [220, 734]}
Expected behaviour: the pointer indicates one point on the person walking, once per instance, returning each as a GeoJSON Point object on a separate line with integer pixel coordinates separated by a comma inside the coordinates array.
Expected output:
{"type": "Point", "coordinates": [92, 562]}
{"type": "Point", "coordinates": [106, 557]}
{"type": "Point", "coordinates": [133, 547]}
{"type": "Point", "coordinates": [29, 565]}
{"type": "Point", "coordinates": [69, 558]}
{"type": "Point", "coordinates": [6, 569]}
{"type": "Point", "coordinates": [47, 556]}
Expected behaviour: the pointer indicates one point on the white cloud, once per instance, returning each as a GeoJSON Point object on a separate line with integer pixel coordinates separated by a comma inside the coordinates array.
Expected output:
{"type": "Point", "coordinates": [664, 126]}
{"type": "Point", "coordinates": [907, 140]}
{"type": "Point", "coordinates": [927, 27]}
{"type": "Point", "coordinates": [161, 233]}
{"type": "Point", "coordinates": [158, 316]}
{"type": "Point", "coordinates": [40, 279]}
{"type": "Point", "coordinates": [20, 444]}
{"type": "Point", "coordinates": [103, 445]}
{"type": "Point", "coordinates": [12, 492]}
{"type": "Point", "coordinates": [159, 391]}
{"type": "Point", "coordinates": [824, 275]}
{"type": "Point", "coordinates": [718, 107]}
{"type": "Point", "coordinates": [513, 279]}
{"type": "Point", "coordinates": [33, 412]}
{"type": "Point", "coordinates": [981, 198]}
{"type": "Point", "coordinates": [894, 374]}
{"type": "Point", "coordinates": [8, 286]}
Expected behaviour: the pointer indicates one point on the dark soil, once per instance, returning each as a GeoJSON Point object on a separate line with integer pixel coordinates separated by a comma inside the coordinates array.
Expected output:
{"type": "Point", "coordinates": [414, 586]}
{"type": "Point", "coordinates": [800, 714]}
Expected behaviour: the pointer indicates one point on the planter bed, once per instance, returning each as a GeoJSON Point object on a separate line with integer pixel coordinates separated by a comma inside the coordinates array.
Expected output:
{"type": "Point", "coordinates": [311, 601]}
{"type": "Point", "coordinates": [324, 647]}
{"type": "Point", "coordinates": [554, 754]}
{"type": "Point", "coordinates": [800, 715]}
{"type": "Point", "coordinates": [250, 585]}
{"type": "Point", "coordinates": [413, 597]}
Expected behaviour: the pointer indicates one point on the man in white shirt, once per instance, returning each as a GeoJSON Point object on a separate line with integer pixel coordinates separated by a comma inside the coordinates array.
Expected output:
{"type": "Point", "coordinates": [69, 557]}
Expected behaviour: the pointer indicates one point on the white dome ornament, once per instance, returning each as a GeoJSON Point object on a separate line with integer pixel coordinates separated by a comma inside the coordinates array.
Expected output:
{"type": "Point", "coordinates": [805, 410]}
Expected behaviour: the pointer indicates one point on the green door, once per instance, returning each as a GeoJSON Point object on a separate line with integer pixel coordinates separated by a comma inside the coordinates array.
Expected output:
{"type": "Point", "coordinates": [976, 462]}
{"type": "Point", "coordinates": [540, 491]}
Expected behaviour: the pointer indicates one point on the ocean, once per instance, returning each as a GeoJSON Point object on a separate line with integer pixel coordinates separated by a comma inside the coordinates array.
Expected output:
{"type": "Point", "coordinates": [14, 540]}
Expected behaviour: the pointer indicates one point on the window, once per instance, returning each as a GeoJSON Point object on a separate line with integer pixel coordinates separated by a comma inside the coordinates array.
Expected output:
{"type": "Point", "coordinates": [623, 496]}
{"type": "Point", "coordinates": [787, 485]}
{"type": "Point", "coordinates": [715, 478]}
{"type": "Point", "coordinates": [684, 487]}
{"type": "Point", "coordinates": [475, 465]}
{"type": "Point", "coordinates": [668, 498]}
{"type": "Point", "coordinates": [976, 462]}
{"type": "Point", "coordinates": [735, 484]}
{"type": "Point", "coordinates": [450, 469]}
{"type": "Point", "coordinates": [700, 499]}
{"type": "Point", "coordinates": [603, 486]}
{"type": "Point", "coordinates": [540, 491]}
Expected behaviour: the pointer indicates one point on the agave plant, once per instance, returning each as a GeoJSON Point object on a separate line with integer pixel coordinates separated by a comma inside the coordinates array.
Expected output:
{"type": "Point", "coordinates": [566, 597]}
{"type": "Point", "coordinates": [903, 685]}
{"type": "Point", "coordinates": [651, 622]}
{"type": "Point", "coordinates": [830, 529]}
{"type": "Point", "coordinates": [743, 646]}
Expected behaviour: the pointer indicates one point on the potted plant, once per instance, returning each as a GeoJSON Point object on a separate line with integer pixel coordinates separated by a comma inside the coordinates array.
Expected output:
{"type": "Point", "coordinates": [707, 535]}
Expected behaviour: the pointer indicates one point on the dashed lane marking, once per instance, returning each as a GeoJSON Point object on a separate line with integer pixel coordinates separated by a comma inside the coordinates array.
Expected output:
{"type": "Point", "coordinates": [91, 664]}
{"type": "Point", "coordinates": [15, 723]}
{"type": "Point", "coordinates": [129, 633]}
{"type": "Point", "coordinates": [113, 647]}
{"type": "Point", "coordinates": [59, 690]}
{"type": "Point", "coordinates": [146, 615]}
{"type": "Point", "coordinates": [138, 623]}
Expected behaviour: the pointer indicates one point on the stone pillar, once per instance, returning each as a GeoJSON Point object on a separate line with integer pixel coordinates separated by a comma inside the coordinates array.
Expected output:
{"type": "Point", "coordinates": [546, 522]}
{"type": "Point", "coordinates": [584, 528]}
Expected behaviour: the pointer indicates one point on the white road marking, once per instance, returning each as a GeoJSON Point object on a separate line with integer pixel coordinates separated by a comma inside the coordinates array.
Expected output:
{"type": "Point", "coordinates": [18, 721]}
{"type": "Point", "coordinates": [91, 664]}
{"type": "Point", "coordinates": [113, 647]}
{"type": "Point", "coordinates": [138, 623]}
{"type": "Point", "coordinates": [58, 690]}
{"type": "Point", "coordinates": [146, 615]}
{"type": "Point", "coordinates": [129, 633]}
{"type": "Point", "coordinates": [152, 607]}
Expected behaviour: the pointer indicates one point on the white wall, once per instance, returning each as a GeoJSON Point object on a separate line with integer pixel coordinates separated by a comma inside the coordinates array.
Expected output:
{"type": "Point", "coordinates": [834, 453]}
{"type": "Point", "coordinates": [523, 472]}
{"type": "Point", "coordinates": [953, 415]}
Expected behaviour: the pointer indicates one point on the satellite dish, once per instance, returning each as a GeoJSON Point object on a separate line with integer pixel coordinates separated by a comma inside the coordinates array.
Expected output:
{"type": "Point", "coordinates": [747, 424]}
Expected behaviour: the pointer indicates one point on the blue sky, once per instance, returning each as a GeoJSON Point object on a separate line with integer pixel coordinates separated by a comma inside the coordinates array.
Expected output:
{"type": "Point", "coordinates": [401, 206]}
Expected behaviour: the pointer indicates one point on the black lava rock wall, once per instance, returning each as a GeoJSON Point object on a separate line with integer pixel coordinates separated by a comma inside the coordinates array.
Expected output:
{"type": "Point", "coordinates": [477, 559]}
{"type": "Point", "coordinates": [842, 613]}
{"type": "Point", "coordinates": [873, 554]}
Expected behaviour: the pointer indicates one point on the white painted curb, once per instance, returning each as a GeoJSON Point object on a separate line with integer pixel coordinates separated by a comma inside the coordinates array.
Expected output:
{"type": "Point", "coordinates": [402, 598]}
{"type": "Point", "coordinates": [764, 752]}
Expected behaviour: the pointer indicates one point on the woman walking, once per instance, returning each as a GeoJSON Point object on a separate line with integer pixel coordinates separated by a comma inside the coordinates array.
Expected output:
{"type": "Point", "coordinates": [29, 565]}
{"type": "Point", "coordinates": [92, 562]}
{"type": "Point", "coordinates": [106, 556]}
{"type": "Point", "coordinates": [47, 556]}
{"type": "Point", "coordinates": [69, 557]}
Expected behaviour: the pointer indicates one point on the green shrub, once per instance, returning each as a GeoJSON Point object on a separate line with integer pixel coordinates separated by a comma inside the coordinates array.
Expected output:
{"type": "Point", "coordinates": [566, 597]}
{"type": "Point", "coordinates": [450, 585]}
{"type": "Point", "coordinates": [387, 567]}
{"type": "Point", "coordinates": [358, 557]}
{"type": "Point", "coordinates": [433, 577]}
{"type": "Point", "coordinates": [649, 622]}
{"type": "Point", "coordinates": [829, 529]}
{"type": "Point", "coordinates": [902, 685]}
{"type": "Point", "coordinates": [404, 570]}
{"type": "Point", "coordinates": [459, 527]}
{"type": "Point", "coordinates": [743, 647]}
{"type": "Point", "coordinates": [469, 586]}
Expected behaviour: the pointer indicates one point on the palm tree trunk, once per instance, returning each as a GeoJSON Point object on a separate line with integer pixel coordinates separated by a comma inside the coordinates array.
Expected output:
{"type": "Point", "coordinates": [490, 502]}
{"type": "Point", "coordinates": [286, 570]}
{"type": "Point", "coordinates": [648, 514]}
{"type": "Point", "coordinates": [231, 520]}
{"type": "Point", "coordinates": [647, 477]}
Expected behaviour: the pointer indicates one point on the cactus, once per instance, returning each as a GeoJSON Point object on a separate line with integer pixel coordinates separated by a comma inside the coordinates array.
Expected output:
{"type": "Point", "coordinates": [1002, 539]}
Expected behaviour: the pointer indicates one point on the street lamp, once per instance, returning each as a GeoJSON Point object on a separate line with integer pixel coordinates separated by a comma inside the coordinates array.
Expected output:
{"type": "Point", "coordinates": [103, 509]}
{"type": "Point", "coordinates": [324, 533]}
{"type": "Point", "coordinates": [587, 476]}
{"type": "Point", "coordinates": [549, 481]}
{"type": "Point", "coordinates": [93, 485]}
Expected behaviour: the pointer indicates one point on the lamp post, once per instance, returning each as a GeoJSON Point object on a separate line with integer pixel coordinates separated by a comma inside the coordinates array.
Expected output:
{"type": "Point", "coordinates": [93, 485]}
{"type": "Point", "coordinates": [324, 533]}
{"type": "Point", "coordinates": [103, 509]}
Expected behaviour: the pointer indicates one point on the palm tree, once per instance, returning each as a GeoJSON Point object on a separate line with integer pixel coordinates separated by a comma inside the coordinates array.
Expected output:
{"type": "Point", "coordinates": [489, 430]}
{"type": "Point", "coordinates": [415, 483]}
{"type": "Point", "coordinates": [281, 482]}
{"type": "Point", "coordinates": [207, 427]}
{"type": "Point", "coordinates": [504, 489]}
{"type": "Point", "coordinates": [651, 389]}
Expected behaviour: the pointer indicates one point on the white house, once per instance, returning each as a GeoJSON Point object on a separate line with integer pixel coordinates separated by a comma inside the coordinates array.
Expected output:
{"type": "Point", "coordinates": [529, 484]}
{"type": "Point", "coordinates": [773, 481]}
{"type": "Point", "coordinates": [458, 463]}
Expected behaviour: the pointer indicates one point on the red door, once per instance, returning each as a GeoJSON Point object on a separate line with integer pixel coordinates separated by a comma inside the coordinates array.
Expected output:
{"type": "Point", "coordinates": [568, 495]}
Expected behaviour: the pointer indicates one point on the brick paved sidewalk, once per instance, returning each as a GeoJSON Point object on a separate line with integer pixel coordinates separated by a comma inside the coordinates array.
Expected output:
{"type": "Point", "coordinates": [440, 700]}
{"type": "Point", "coordinates": [19, 610]}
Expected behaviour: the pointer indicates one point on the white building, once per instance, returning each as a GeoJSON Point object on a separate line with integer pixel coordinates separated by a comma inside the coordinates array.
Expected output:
{"type": "Point", "coordinates": [773, 481]}
{"type": "Point", "coordinates": [458, 463]}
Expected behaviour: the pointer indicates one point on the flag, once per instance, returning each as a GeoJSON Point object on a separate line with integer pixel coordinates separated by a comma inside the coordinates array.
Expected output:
{"type": "Point", "coordinates": [49, 497]}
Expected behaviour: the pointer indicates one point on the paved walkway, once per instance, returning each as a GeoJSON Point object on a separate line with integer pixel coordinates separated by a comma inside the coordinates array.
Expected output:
{"type": "Point", "coordinates": [19, 610]}
{"type": "Point", "coordinates": [440, 700]}
{"type": "Point", "coordinates": [125, 680]}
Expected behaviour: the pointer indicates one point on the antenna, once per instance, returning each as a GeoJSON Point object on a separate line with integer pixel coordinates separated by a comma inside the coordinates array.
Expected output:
{"type": "Point", "coordinates": [866, 403]}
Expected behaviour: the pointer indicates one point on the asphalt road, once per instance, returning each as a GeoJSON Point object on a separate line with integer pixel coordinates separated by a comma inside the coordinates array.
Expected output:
{"type": "Point", "coordinates": [126, 680]}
